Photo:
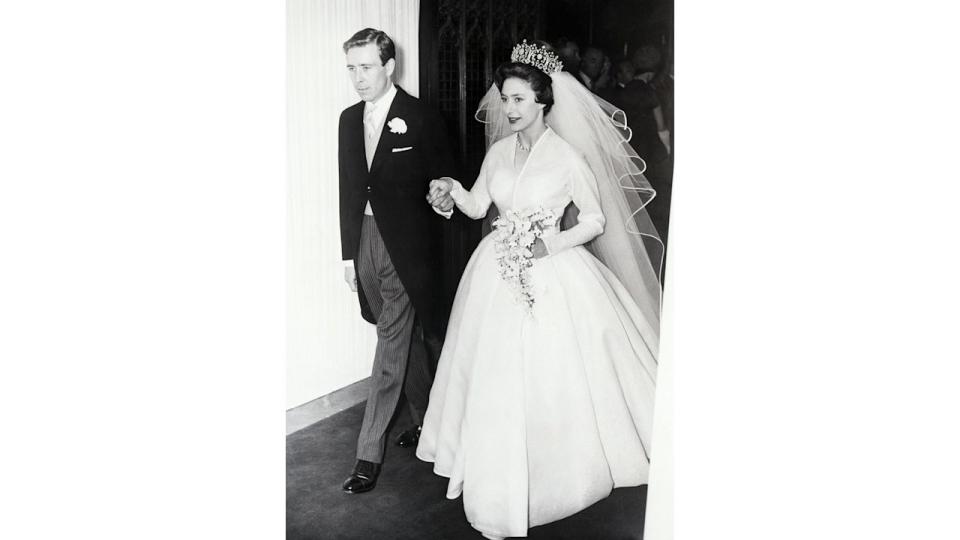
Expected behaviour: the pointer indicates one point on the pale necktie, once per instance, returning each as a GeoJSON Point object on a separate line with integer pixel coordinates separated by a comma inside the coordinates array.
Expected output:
{"type": "Point", "coordinates": [369, 144]}
{"type": "Point", "coordinates": [369, 135]}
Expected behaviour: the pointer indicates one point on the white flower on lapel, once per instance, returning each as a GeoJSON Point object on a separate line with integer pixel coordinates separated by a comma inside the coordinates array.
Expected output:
{"type": "Point", "coordinates": [397, 125]}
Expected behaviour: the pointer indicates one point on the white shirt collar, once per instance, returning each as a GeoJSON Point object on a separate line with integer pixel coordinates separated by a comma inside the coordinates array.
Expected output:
{"type": "Point", "coordinates": [381, 106]}
{"type": "Point", "coordinates": [586, 79]}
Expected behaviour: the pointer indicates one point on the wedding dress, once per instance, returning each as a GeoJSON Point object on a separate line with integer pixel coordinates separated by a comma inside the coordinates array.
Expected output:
{"type": "Point", "coordinates": [537, 413]}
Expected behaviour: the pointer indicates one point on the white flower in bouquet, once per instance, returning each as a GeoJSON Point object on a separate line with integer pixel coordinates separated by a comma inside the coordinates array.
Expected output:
{"type": "Point", "coordinates": [516, 233]}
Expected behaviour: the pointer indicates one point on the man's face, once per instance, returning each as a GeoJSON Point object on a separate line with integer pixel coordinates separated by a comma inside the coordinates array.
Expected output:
{"type": "Point", "coordinates": [625, 72]}
{"type": "Point", "coordinates": [646, 59]}
{"type": "Point", "coordinates": [370, 78]}
{"type": "Point", "coordinates": [570, 54]}
{"type": "Point", "coordinates": [592, 63]}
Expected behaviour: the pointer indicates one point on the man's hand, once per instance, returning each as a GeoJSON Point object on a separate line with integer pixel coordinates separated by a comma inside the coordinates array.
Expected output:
{"type": "Point", "coordinates": [665, 138]}
{"type": "Point", "coordinates": [350, 276]}
{"type": "Point", "coordinates": [445, 204]}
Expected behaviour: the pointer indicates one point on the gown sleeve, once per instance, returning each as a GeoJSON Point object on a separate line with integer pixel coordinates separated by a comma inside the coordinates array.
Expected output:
{"type": "Point", "coordinates": [582, 186]}
{"type": "Point", "coordinates": [476, 201]}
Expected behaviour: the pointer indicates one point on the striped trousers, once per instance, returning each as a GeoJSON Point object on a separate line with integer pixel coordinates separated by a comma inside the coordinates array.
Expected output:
{"type": "Point", "coordinates": [400, 364]}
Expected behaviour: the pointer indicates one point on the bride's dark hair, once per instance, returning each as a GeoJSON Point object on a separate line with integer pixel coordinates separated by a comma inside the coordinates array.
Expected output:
{"type": "Point", "coordinates": [540, 82]}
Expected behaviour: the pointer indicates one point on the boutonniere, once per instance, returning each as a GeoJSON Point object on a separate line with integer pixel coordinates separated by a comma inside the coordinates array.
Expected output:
{"type": "Point", "coordinates": [397, 125]}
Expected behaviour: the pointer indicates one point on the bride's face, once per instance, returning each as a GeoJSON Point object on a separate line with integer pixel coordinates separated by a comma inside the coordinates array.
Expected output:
{"type": "Point", "coordinates": [520, 104]}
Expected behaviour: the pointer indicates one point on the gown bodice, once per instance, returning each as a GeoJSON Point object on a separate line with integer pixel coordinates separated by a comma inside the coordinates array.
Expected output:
{"type": "Point", "coordinates": [553, 176]}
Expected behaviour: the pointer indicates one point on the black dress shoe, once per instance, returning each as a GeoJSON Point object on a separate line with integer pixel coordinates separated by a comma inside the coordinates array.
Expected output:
{"type": "Point", "coordinates": [363, 478]}
{"type": "Point", "coordinates": [409, 438]}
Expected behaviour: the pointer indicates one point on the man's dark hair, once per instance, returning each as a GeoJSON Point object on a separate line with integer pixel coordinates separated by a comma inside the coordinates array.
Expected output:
{"type": "Point", "coordinates": [372, 35]}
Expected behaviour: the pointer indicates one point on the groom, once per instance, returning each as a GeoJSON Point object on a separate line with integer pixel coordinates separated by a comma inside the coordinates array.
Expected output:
{"type": "Point", "coordinates": [390, 146]}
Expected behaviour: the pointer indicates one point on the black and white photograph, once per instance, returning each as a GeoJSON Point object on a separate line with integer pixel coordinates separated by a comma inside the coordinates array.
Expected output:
{"type": "Point", "coordinates": [479, 269]}
{"type": "Point", "coordinates": [490, 297]}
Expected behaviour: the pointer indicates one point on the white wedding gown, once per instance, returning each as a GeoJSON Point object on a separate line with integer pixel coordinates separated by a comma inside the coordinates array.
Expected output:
{"type": "Point", "coordinates": [534, 417]}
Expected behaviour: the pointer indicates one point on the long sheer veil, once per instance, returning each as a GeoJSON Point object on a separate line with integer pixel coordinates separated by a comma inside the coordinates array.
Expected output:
{"type": "Point", "coordinates": [630, 245]}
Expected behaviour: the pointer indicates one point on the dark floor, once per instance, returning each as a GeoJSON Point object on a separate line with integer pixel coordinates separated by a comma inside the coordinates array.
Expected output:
{"type": "Point", "coordinates": [409, 501]}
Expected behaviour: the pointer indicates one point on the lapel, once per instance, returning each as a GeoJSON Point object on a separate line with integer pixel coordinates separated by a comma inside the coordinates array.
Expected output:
{"type": "Point", "coordinates": [388, 140]}
{"type": "Point", "coordinates": [354, 142]}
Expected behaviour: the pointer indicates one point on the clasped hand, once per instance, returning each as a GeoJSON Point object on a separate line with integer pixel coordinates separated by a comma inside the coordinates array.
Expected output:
{"type": "Point", "coordinates": [439, 194]}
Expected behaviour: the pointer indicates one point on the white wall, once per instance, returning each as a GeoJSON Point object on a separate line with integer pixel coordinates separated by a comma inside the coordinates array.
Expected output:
{"type": "Point", "coordinates": [328, 344]}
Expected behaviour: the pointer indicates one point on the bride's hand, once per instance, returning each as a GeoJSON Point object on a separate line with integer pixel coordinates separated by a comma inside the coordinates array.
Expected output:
{"type": "Point", "coordinates": [539, 249]}
{"type": "Point", "coordinates": [441, 186]}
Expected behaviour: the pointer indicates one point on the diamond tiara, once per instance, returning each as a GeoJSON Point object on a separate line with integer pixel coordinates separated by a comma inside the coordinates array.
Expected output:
{"type": "Point", "coordinates": [537, 56]}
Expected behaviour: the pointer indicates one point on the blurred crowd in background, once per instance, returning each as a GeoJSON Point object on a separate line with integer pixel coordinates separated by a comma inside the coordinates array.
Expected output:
{"type": "Point", "coordinates": [640, 83]}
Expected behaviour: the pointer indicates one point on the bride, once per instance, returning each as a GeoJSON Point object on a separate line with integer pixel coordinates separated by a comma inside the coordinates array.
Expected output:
{"type": "Point", "coordinates": [543, 398]}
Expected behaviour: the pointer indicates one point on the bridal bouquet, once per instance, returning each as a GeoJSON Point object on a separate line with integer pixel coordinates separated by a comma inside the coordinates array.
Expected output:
{"type": "Point", "coordinates": [515, 234]}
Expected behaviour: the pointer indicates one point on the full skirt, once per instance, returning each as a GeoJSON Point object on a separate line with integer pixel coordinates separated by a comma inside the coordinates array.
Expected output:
{"type": "Point", "coordinates": [536, 416]}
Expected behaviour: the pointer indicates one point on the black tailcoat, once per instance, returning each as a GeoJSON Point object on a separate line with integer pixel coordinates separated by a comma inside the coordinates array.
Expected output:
{"type": "Point", "coordinates": [396, 186]}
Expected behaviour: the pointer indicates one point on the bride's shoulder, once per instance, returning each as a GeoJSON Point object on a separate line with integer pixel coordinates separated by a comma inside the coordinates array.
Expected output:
{"type": "Point", "coordinates": [563, 148]}
{"type": "Point", "coordinates": [558, 141]}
